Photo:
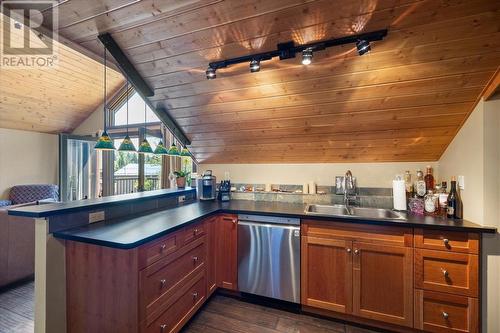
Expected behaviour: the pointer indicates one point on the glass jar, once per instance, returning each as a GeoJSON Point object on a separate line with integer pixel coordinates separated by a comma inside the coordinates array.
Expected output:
{"type": "Point", "coordinates": [431, 202]}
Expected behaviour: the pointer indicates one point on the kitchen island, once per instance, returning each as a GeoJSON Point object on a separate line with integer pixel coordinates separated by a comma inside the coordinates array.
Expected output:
{"type": "Point", "coordinates": [170, 260]}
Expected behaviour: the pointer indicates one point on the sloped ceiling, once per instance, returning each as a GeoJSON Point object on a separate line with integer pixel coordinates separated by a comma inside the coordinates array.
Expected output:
{"type": "Point", "coordinates": [402, 102]}
{"type": "Point", "coordinates": [53, 100]}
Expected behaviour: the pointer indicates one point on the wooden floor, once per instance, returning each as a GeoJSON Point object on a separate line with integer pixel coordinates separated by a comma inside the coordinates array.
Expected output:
{"type": "Point", "coordinates": [221, 314]}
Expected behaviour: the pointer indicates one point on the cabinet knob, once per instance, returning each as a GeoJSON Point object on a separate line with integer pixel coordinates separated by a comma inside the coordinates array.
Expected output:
{"type": "Point", "coordinates": [163, 247]}
{"type": "Point", "coordinates": [195, 258]}
{"type": "Point", "coordinates": [446, 242]}
{"type": "Point", "coordinates": [445, 315]}
{"type": "Point", "coordinates": [356, 251]}
{"type": "Point", "coordinates": [163, 282]}
{"type": "Point", "coordinates": [445, 272]}
{"type": "Point", "coordinates": [195, 295]}
{"type": "Point", "coordinates": [235, 221]}
{"type": "Point", "coordinates": [348, 250]}
{"type": "Point", "coordinates": [162, 328]}
{"type": "Point", "coordinates": [195, 232]}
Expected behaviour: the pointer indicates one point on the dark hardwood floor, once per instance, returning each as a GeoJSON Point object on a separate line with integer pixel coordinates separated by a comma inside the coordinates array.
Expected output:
{"type": "Point", "coordinates": [221, 315]}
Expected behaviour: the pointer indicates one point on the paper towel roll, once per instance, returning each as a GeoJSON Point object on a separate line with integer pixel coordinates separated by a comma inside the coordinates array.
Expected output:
{"type": "Point", "coordinates": [399, 194]}
{"type": "Point", "coordinates": [305, 188]}
{"type": "Point", "coordinates": [312, 188]}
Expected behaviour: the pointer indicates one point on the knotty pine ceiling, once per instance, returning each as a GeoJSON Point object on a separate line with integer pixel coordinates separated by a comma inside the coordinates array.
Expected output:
{"type": "Point", "coordinates": [404, 101]}
{"type": "Point", "coordinates": [53, 100]}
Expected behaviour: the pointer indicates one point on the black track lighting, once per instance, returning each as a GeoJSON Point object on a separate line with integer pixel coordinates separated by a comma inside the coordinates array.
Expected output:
{"type": "Point", "coordinates": [254, 66]}
{"type": "Point", "coordinates": [307, 55]}
{"type": "Point", "coordinates": [363, 46]}
{"type": "Point", "coordinates": [211, 73]}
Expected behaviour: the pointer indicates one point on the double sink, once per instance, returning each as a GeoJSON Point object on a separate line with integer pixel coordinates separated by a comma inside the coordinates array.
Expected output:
{"type": "Point", "coordinates": [359, 212]}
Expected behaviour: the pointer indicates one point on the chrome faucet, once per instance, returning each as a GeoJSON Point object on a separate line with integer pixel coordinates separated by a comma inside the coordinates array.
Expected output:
{"type": "Point", "coordinates": [349, 188]}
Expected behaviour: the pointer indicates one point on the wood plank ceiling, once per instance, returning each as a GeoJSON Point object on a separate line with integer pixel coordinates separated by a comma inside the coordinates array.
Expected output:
{"type": "Point", "coordinates": [53, 100]}
{"type": "Point", "coordinates": [404, 101]}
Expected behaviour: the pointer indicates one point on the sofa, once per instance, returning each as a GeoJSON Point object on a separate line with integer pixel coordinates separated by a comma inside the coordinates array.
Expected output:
{"type": "Point", "coordinates": [17, 234]}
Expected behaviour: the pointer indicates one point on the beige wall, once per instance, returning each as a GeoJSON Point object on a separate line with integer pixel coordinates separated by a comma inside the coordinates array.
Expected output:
{"type": "Point", "coordinates": [91, 125]}
{"type": "Point", "coordinates": [475, 154]}
{"type": "Point", "coordinates": [367, 174]}
{"type": "Point", "coordinates": [27, 158]}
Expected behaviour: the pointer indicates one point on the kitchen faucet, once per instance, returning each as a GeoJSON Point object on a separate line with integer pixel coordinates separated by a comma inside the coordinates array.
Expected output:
{"type": "Point", "coordinates": [349, 188]}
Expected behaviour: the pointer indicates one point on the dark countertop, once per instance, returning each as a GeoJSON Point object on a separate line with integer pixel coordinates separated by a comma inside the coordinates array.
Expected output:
{"type": "Point", "coordinates": [133, 231]}
{"type": "Point", "coordinates": [45, 210]}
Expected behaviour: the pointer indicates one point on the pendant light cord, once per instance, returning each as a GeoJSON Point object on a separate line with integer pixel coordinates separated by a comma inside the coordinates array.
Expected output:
{"type": "Point", "coordinates": [105, 96]}
{"type": "Point", "coordinates": [127, 104]}
{"type": "Point", "coordinates": [145, 121]}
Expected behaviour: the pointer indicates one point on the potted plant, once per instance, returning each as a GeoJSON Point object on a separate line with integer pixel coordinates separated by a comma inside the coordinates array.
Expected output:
{"type": "Point", "coordinates": [180, 178]}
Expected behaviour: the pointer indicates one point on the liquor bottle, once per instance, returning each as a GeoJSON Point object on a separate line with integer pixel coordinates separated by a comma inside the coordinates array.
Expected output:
{"type": "Point", "coordinates": [429, 179]}
{"type": "Point", "coordinates": [453, 201]}
{"type": "Point", "coordinates": [408, 185]}
{"type": "Point", "coordinates": [420, 184]}
{"type": "Point", "coordinates": [443, 198]}
{"type": "Point", "coordinates": [459, 211]}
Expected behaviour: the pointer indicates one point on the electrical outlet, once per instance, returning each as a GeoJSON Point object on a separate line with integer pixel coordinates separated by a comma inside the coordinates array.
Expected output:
{"type": "Point", "coordinates": [461, 182]}
{"type": "Point", "coordinates": [96, 216]}
{"type": "Point", "coordinates": [181, 198]}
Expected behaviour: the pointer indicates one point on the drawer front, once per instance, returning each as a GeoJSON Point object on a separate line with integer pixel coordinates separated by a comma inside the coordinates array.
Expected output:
{"type": "Point", "coordinates": [158, 284]}
{"type": "Point", "coordinates": [159, 249]}
{"type": "Point", "coordinates": [366, 233]}
{"type": "Point", "coordinates": [438, 312]}
{"type": "Point", "coordinates": [192, 232]}
{"type": "Point", "coordinates": [451, 241]}
{"type": "Point", "coordinates": [455, 273]}
{"type": "Point", "coordinates": [181, 308]}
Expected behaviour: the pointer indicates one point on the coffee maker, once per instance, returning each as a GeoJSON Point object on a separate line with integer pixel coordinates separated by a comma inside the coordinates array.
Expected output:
{"type": "Point", "coordinates": [225, 190]}
{"type": "Point", "coordinates": [206, 186]}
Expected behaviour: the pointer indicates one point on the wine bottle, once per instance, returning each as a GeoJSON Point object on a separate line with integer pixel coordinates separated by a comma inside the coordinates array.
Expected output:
{"type": "Point", "coordinates": [429, 179]}
{"type": "Point", "coordinates": [452, 199]}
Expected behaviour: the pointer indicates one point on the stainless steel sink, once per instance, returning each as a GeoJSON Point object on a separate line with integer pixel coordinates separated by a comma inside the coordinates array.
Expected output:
{"type": "Point", "coordinates": [362, 212]}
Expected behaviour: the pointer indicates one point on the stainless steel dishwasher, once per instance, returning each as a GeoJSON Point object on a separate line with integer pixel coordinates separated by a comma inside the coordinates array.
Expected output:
{"type": "Point", "coordinates": [269, 256]}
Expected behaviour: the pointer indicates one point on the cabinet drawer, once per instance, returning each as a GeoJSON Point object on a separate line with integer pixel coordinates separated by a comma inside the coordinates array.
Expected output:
{"type": "Point", "coordinates": [367, 233]}
{"type": "Point", "coordinates": [451, 241]}
{"type": "Point", "coordinates": [438, 312]}
{"type": "Point", "coordinates": [192, 232]}
{"type": "Point", "coordinates": [455, 273]}
{"type": "Point", "coordinates": [159, 249]}
{"type": "Point", "coordinates": [180, 307]}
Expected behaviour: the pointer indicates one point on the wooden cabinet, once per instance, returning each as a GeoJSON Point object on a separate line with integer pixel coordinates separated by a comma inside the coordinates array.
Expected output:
{"type": "Point", "coordinates": [326, 275]}
{"type": "Point", "coordinates": [383, 283]}
{"type": "Point", "coordinates": [211, 270]}
{"type": "Point", "coordinates": [226, 238]}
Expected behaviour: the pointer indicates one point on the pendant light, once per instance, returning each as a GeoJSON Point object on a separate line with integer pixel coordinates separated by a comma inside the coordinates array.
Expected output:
{"type": "Point", "coordinates": [127, 144]}
{"type": "Point", "coordinates": [104, 142]}
{"type": "Point", "coordinates": [161, 149]}
{"type": "Point", "coordinates": [185, 152]}
{"type": "Point", "coordinates": [173, 150]}
{"type": "Point", "coordinates": [145, 147]}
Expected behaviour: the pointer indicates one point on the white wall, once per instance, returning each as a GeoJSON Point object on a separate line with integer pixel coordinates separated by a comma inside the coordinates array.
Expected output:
{"type": "Point", "coordinates": [93, 124]}
{"type": "Point", "coordinates": [367, 174]}
{"type": "Point", "coordinates": [475, 154]}
{"type": "Point", "coordinates": [27, 158]}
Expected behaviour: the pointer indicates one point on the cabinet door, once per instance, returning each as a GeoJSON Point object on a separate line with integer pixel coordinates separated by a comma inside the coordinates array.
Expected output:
{"type": "Point", "coordinates": [210, 225]}
{"type": "Point", "coordinates": [326, 274]}
{"type": "Point", "coordinates": [383, 283]}
{"type": "Point", "coordinates": [226, 239]}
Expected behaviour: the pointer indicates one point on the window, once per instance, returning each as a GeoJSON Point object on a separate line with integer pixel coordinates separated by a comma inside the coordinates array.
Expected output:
{"type": "Point", "coordinates": [135, 114]}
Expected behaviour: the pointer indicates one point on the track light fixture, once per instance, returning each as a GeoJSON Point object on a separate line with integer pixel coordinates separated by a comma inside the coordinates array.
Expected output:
{"type": "Point", "coordinates": [307, 55]}
{"type": "Point", "coordinates": [288, 50]}
{"type": "Point", "coordinates": [211, 73]}
{"type": "Point", "coordinates": [254, 66]}
{"type": "Point", "coordinates": [363, 46]}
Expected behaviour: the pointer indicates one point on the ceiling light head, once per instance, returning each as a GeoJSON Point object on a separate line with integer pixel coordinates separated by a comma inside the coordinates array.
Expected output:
{"type": "Point", "coordinates": [363, 46]}
{"type": "Point", "coordinates": [254, 66]}
{"type": "Point", "coordinates": [307, 55]}
{"type": "Point", "coordinates": [210, 73]}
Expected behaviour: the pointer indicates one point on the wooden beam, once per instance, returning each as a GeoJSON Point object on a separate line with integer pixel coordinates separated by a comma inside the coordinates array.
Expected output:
{"type": "Point", "coordinates": [492, 86]}
{"type": "Point", "coordinates": [142, 87]}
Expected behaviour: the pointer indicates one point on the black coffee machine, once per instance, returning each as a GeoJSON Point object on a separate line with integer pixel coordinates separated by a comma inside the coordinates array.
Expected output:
{"type": "Point", "coordinates": [224, 190]}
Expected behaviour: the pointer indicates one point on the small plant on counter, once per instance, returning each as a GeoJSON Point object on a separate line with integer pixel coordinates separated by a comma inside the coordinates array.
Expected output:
{"type": "Point", "coordinates": [180, 178]}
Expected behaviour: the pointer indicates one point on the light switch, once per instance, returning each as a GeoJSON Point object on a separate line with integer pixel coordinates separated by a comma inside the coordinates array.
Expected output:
{"type": "Point", "coordinates": [461, 182]}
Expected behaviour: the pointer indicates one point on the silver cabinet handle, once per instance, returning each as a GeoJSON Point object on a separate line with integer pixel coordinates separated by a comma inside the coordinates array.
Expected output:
{"type": "Point", "coordinates": [356, 251]}
{"type": "Point", "coordinates": [446, 241]}
{"type": "Point", "coordinates": [445, 272]}
{"type": "Point", "coordinates": [163, 282]}
{"type": "Point", "coordinates": [195, 258]}
{"type": "Point", "coordinates": [348, 250]}
{"type": "Point", "coordinates": [445, 315]}
{"type": "Point", "coordinates": [162, 328]}
{"type": "Point", "coordinates": [163, 247]}
{"type": "Point", "coordinates": [195, 232]}
{"type": "Point", "coordinates": [195, 295]}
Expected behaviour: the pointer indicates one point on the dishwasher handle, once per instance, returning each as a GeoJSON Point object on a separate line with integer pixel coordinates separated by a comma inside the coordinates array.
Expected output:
{"type": "Point", "coordinates": [295, 229]}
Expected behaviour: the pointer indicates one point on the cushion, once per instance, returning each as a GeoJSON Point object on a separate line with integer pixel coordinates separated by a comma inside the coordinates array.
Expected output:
{"type": "Point", "coordinates": [29, 193]}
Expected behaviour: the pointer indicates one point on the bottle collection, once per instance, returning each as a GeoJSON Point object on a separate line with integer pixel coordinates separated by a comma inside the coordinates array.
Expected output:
{"type": "Point", "coordinates": [426, 196]}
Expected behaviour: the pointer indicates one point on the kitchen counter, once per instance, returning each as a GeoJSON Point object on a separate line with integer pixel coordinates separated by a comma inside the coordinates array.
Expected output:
{"type": "Point", "coordinates": [130, 232]}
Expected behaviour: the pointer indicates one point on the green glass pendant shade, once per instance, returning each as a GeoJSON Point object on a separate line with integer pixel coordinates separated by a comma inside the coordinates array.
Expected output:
{"type": "Point", "coordinates": [185, 152]}
{"type": "Point", "coordinates": [104, 142]}
{"type": "Point", "coordinates": [145, 147]}
{"type": "Point", "coordinates": [173, 150]}
{"type": "Point", "coordinates": [161, 149]}
{"type": "Point", "coordinates": [127, 145]}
